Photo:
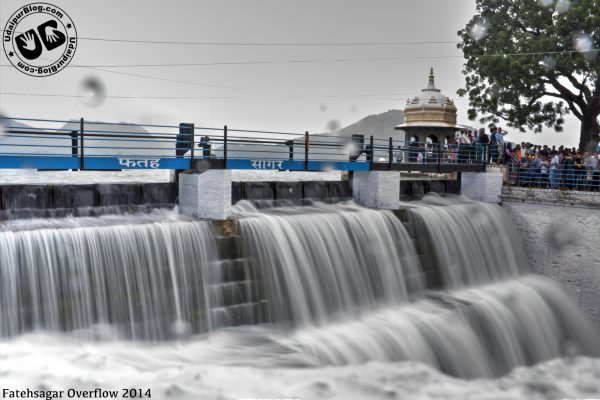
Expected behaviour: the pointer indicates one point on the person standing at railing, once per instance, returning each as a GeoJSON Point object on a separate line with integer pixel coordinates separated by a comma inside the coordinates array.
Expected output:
{"type": "Point", "coordinates": [493, 147]}
{"type": "Point", "coordinates": [463, 151]}
{"type": "Point", "coordinates": [568, 170]}
{"type": "Point", "coordinates": [454, 148]}
{"type": "Point", "coordinates": [589, 169]}
{"type": "Point", "coordinates": [205, 146]}
{"type": "Point", "coordinates": [554, 170]}
{"type": "Point", "coordinates": [518, 164]}
{"type": "Point", "coordinates": [508, 161]}
{"type": "Point", "coordinates": [500, 142]}
{"type": "Point", "coordinates": [596, 171]}
{"type": "Point", "coordinates": [472, 137]}
{"type": "Point", "coordinates": [536, 170]}
{"type": "Point", "coordinates": [544, 172]}
{"type": "Point", "coordinates": [579, 171]}
{"type": "Point", "coordinates": [484, 142]}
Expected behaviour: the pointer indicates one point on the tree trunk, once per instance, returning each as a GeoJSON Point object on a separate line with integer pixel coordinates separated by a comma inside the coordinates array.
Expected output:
{"type": "Point", "coordinates": [590, 130]}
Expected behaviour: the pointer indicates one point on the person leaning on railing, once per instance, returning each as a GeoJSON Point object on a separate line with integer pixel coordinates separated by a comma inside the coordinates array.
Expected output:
{"type": "Point", "coordinates": [484, 141]}
{"type": "Point", "coordinates": [591, 163]}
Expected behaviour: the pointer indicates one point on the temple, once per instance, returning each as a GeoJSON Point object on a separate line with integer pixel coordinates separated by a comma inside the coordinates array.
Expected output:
{"type": "Point", "coordinates": [430, 116]}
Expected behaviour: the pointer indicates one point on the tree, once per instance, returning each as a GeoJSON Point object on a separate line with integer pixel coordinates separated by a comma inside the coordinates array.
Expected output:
{"type": "Point", "coordinates": [531, 62]}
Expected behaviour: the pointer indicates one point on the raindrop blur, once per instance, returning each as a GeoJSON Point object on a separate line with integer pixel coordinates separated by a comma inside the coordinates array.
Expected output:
{"type": "Point", "coordinates": [560, 236]}
{"type": "Point", "coordinates": [353, 109]}
{"type": "Point", "coordinates": [328, 167]}
{"type": "Point", "coordinates": [92, 91]}
{"type": "Point", "coordinates": [323, 107]}
{"type": "Point", "coordinates": [562, 6]}
{"type": "Point", "coordinates": [479, 30]}
{"type": "Point", "coordinates": [546, 3]}
{"type": "Point", "coordinates": [584, 43]}
{"type": "Point", "coordinates": [333, 125]}
{"type": "Point", "coordinates": [549, 63]}
{"type": "Point", "coordinates": [351, 148]}
{"type": "Point", "coordinates": [181, 328]}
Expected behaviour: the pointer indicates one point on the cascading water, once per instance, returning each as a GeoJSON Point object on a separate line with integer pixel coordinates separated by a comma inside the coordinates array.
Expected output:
{"type": "Point", "coordinates": [320, 260]}
{"type": "Point", "coordinates": [335, 284]}
{"type": "Point", "coordinates": [145, 280]}
{"type": "Point", "coordinates": [471, 242]}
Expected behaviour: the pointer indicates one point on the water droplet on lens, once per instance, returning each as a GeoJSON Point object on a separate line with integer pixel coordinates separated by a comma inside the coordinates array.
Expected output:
{"type": "Point", "coordinates": [351, 148]}
{"type": "Point", "coordinates": [323, 107]}
{"type": "Point", "coordinates": [333, 125]}
{"type": "Point", "coordinates": [549, 63]}
{"type": "Point", "coordinates": [583, 43]}
{"type": "Point", "coordinates": [560, 236]}
{"type": "Point", "coordinates": [92, 91]}
{"type": "Point", "coordinates": [479, 29]}
{"type": "Point", "coordinates": [181, 328]}
{"type": "Point", "coordinates": [562, 6]}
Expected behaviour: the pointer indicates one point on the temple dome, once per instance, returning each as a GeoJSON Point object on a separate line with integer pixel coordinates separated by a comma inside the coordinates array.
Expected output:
{"type": "Point", "coordinates": [430, 108]}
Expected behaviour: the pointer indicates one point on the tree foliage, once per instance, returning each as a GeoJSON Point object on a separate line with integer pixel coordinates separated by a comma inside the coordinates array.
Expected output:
{"type": "Point", "coordinates": [531, 62]}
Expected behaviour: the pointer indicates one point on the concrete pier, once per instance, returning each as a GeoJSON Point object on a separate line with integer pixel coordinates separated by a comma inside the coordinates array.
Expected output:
{"type": "Point", "coordinates": [206, 194]}
{"type": "Point", "coordinates": [483, 186]}
{"type": "Point", "coordinates": [377, 189]}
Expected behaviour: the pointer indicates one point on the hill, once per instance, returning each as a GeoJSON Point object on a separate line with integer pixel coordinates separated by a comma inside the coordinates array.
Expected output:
{"type": "Point", "coordinates": [381, 126]}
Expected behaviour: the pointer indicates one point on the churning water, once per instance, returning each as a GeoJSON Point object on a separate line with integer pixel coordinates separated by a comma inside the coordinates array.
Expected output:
{"type": "Point", "coordinates": [443, 282]}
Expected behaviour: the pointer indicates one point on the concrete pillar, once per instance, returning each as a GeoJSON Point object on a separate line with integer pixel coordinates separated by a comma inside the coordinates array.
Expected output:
{"type": "Point", "coordinates": [483, 186]}
{"type": "Point", "coordinates": [377, 189]}
{"type": "Point", "coordinates": [206, 194]}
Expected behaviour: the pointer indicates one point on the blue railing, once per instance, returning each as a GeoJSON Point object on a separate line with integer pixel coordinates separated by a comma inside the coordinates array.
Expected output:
{"type": "Point", "coordinates": [47, 144]}
{"type": "Point", "coordinates": [555, 176]}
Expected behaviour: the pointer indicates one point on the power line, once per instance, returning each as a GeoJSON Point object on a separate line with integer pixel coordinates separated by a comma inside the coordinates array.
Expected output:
{"type": "Point", "coordinates": [147, 76]}
{"type": "Point", "coordinates": [307, 44]}
{"type": "Point", "coordinates": [170, 42]}
{"type": "Point", "coordinates": [307, 61]}
{"type": "Point", "coordinates": [161, 79]}
{"type": "Point", "coordinates": [258, 62]}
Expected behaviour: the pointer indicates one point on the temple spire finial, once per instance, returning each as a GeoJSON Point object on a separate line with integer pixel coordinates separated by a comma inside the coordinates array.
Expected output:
{"type": "Point", "coordinates": [431, 85]}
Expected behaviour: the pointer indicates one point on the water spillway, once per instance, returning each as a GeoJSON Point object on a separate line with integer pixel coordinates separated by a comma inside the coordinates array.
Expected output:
{"type": "Point", "coordinates": [324, 259]}
{"type": "Point", "coordinates": [138, 278]}
{"type": "Point", "coordinates": [445, 283]}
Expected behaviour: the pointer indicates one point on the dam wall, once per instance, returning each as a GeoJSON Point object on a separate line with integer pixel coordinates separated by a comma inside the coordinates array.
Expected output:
{"type": "Point", "coordinates": [59, 200]}
{"type": "Point", "coordinates": [562, 244]}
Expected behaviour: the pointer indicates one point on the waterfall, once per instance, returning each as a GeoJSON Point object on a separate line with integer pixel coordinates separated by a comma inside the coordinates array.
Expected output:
{"type": "Point", "coordinates": [442, 282]}
{"type": "Point", "coordinates": [144, 280]}
{"type": "Point", "coordinates": [477, 332]}
{"type": "Point", "coordinates": [468, 243]}
{"type": "Point", "coordinates": [321, 260]}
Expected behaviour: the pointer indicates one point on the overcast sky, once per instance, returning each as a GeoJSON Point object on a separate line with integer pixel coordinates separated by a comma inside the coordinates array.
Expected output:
{"type": "Point", "coordinates": [280, 95]}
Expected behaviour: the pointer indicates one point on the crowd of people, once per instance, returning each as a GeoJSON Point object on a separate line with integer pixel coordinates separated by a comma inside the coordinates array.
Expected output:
{"type": "Point", "coordinates": [534, 165]}
{"type": "Point", "coordinates": [550, 167]}
{"type": "Point", "coordinates": [528, 164]}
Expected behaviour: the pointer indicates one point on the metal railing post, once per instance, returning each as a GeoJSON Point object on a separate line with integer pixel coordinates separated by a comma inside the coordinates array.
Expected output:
{"type": "Point", "coordinates": [371, 152]}
{"type": "Point", "coordinates": [439, 157]}
{"type": "Point", "coordinates": [306, 146]}
{"type": "Point", "coordinates": [81, 146]}
{"type": "Point", "coordinates": [390, 154]}
{"type": "Point", "coordinates": [290, 145]}
{"type": "Point", "coordinates": [225, 146]}
{"type": "Point", "coordinates": [193, 132]}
